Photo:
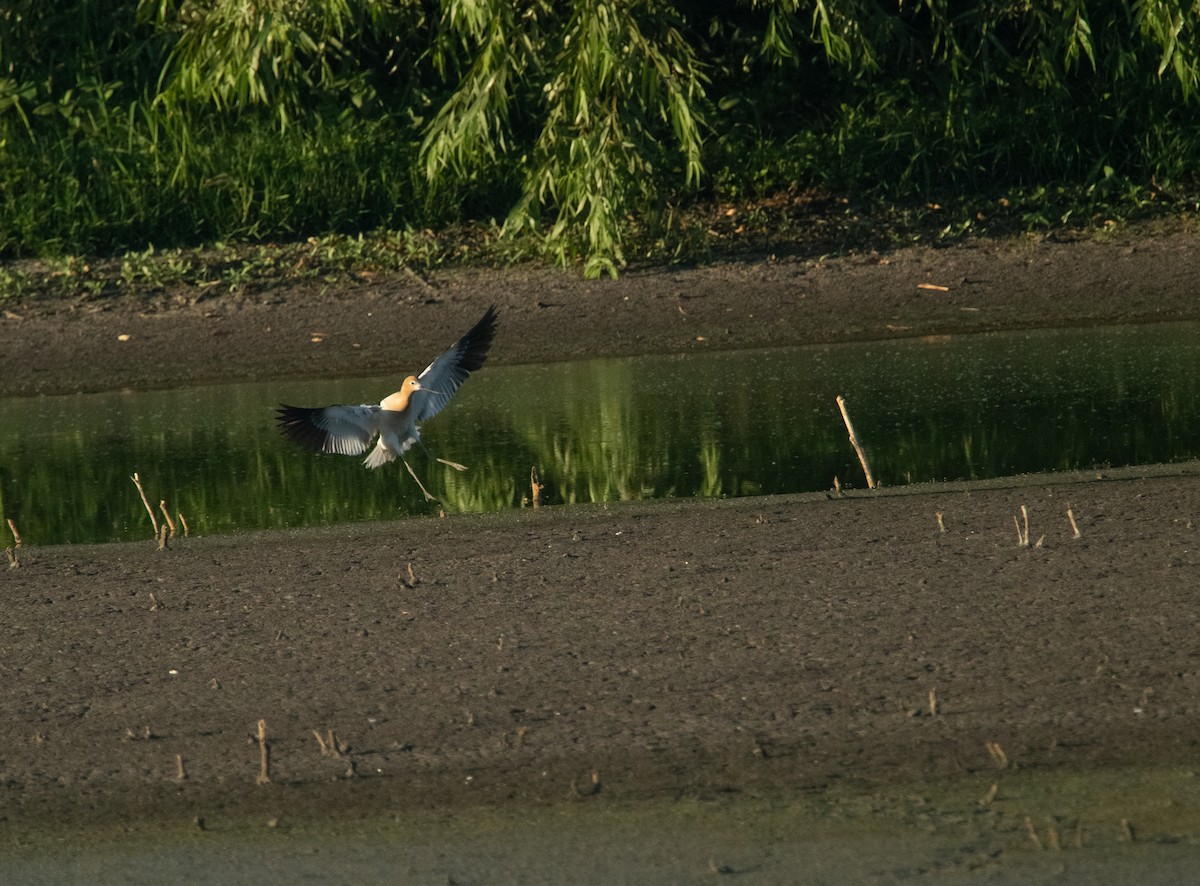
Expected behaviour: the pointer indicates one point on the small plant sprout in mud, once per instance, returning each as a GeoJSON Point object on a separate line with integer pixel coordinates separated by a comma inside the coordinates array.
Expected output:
{"type": "Point", "coordinates": [719, 870]}
{"type": "Point", "coordinates": [264, 754]}
{"type": "Point", "coordinates": [1023, 532]}
{"type": "Point", "coordinates": [997, 754]}
{"type": "Point", "coordinates": [1022, 537]}
{"type": "Point", "coordinates": [589, 789]}
{"type": "Point", "coordinates": [941, 522]}
{"type": "Point", "coordinates": [1052, 839]}
{"type": "Point", "coordinates": [862, 456]}
{"type": "Point", "coordinates": [331, 745]}
{"type": "Point", "coordinates": [149, 510]}
{"type": "Point", "coordinates": [1031, 832]}
{"type": "Point", "coordinates": [1075, 533]}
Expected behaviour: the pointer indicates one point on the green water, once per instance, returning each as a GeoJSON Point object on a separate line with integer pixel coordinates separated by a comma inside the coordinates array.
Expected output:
{"type": "Point", "coordinates": [721, 424]}
{"type": "Point", "coordinates": [901, 833]}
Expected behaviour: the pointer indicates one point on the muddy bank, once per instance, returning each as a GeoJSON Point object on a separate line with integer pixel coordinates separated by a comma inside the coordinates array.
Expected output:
{"type": "Point", "coordinates": [393, 323]}
{"type": "Point", "coordinates": [638, 650]}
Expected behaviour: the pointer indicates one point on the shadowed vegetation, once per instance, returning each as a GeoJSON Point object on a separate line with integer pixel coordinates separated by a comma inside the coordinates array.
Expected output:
{"type": "Point", "coordinates": [582, 131]}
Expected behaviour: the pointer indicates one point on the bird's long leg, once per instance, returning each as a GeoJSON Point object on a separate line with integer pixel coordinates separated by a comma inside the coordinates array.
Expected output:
{"type": "Point", "coordinates": [449, 464]}
{"type": "Point", "coordinates": [413, 473]}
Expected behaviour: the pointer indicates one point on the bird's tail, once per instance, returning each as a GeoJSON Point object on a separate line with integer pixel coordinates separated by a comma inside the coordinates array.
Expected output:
{"type": "Point", "coordinates": [379, 456]}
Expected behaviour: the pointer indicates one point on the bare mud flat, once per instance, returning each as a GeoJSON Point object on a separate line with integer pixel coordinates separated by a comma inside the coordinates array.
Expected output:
{"type": "Point", "coordinates": [680, 690]}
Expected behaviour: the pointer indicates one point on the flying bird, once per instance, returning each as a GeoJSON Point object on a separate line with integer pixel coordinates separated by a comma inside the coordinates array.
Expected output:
{"type": "Point", "coordinates": [349, 430]}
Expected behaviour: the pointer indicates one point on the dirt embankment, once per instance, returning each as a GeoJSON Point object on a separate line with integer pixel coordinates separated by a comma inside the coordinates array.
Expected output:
{"type": "Point", "coordinates": [163, 339]}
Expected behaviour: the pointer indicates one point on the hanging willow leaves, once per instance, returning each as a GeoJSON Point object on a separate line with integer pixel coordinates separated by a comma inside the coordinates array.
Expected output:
{"type": "Point", "coordinates": [615, 96]}
{"type": "Point", "coordinates": [584, 125]}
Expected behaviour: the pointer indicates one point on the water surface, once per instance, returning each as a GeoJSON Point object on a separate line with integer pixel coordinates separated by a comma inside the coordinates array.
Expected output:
{"type": "Point", "coordinates": [719, 424]}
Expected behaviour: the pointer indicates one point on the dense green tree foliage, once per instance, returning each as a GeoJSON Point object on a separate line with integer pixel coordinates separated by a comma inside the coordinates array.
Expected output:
{"type": "Point", "coordinates": [124, 123]}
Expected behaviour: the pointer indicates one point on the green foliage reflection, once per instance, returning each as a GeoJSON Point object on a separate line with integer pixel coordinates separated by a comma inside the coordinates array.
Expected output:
{"type": "Point", "coordinates": [607, 430]}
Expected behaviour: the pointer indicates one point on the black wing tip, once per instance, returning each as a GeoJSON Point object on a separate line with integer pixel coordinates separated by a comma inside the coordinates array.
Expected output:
{"type": "Point", "coordinates": [296, 423]}
{"type": "Point", "coordinates": [478, 340]}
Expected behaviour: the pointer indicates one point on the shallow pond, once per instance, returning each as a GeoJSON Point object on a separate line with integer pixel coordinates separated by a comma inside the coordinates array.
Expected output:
{"type": "Point", "coordinates": [719, 424]}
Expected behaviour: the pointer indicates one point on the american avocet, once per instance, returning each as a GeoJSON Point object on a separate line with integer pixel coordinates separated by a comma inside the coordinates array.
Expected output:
{"type": "Point", "coordinates": [348, 430]}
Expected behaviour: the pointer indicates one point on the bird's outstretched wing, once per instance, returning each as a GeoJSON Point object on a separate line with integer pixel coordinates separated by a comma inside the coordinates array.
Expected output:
{"type": "Point", "coordinates": [445, 375]}
{"type": "Point", "coordinates": [346, 430]}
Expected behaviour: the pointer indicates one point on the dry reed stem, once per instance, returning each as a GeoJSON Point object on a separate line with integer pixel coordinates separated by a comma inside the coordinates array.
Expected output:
{"type": "Point", "coordinates": [1032, 834]}
{"type": "Point", "coordinates": [162, 506]}
{"type": "Point", "coordinates": [1074, 525]}
{"type": "Point", "coordinates": [180, 770]}
{"type": "Point", "coordinates": [183, 523]}
{"type": "Point", "coordinates": [1052, 836]}
{"type": "Point", "coordinates": [990, 796]}
{"type": "Point", "coordinates": [934, 707]}
{"type": "Point", "coordinates": [997, 753]}
{"type": "Point", "coordinates": [264, 754]}
{"type": "Point", "coordinates": [1022, 536]}
{"type": "Point", "coordinates": [149, 510]}
{"type": "Point", "coordinates": [331, 745]}
{"type": "Point", "coordinates": [535, 487]}
{"type": "Point", "coordinates": [14, 553]}
{"type": "Point", "coordinates": [1127, 833]}
{"type": "Point", "coordinates": [862, 456]}
{"type": "Point", "coordinates": [941, 522]}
